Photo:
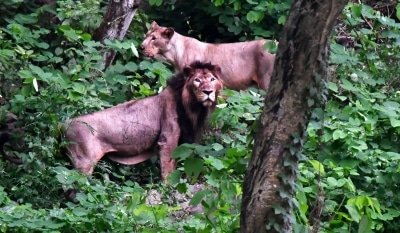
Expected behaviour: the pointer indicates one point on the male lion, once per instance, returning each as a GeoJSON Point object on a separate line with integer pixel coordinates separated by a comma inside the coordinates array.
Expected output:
{"type": "Point", "coordinates": [134, 131]}
{"type": "Point", "coordinates": [243, 64]}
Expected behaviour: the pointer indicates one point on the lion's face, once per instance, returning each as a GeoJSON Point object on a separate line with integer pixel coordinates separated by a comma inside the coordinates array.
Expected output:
{"type": "Point", "coordinates": [205, 85]}
{"type": "Point", "coordinates": [156, 41]}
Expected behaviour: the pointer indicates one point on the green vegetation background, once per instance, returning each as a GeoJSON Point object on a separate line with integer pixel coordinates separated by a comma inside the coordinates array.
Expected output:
{"type": "Point", "coordinates": [50, 72]}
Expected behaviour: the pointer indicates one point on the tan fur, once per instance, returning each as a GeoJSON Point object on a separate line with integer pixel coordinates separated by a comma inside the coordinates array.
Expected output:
{"type": "Point", "coordinates": [136, 130]}
{"type": "Point", "coordinates": [243, 64]}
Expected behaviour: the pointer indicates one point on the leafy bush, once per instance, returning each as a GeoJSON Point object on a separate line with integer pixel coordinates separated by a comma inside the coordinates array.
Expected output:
{"type": "Point", "coordinates": [353, 142]}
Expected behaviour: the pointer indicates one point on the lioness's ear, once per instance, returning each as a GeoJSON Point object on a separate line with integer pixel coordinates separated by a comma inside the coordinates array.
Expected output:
{"type": "Point", "coordinates": [216, 71]}
{"type": "Point", "coordinates": [154, 25]}
{"type": "Point", "coordinates": [168, 33]}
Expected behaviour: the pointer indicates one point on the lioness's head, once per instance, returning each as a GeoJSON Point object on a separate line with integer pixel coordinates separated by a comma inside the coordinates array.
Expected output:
{"type": "Point", "coordinates": [203, 82]}
{"type": "Point", "coordinates": [156, 41]}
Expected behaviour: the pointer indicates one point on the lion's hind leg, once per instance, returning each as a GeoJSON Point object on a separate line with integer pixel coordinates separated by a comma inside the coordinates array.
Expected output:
{"type": "Point", "coordinates": [84, 159]}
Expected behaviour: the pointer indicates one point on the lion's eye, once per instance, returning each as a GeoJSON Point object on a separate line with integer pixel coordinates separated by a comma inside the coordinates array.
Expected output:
{"type": "Point", "coordinates": [153, 38]}
{"type": "Point", "coordinates": [212, 79]}
{"type": "Point", "coordinates": [197, 80]}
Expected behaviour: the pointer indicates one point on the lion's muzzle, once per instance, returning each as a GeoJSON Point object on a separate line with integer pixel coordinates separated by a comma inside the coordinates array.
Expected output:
{"type": "Point", "coordinates": [207, 97]}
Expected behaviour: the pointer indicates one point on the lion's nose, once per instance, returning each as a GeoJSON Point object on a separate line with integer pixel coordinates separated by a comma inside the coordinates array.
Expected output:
{"type": "Point", "coordinates": [142, 46]}
{"type": "Point", "coordinates": [207, 92]}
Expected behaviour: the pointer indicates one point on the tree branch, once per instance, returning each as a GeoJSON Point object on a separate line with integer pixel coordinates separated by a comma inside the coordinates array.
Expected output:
{"type": "Point", "coordinates": [115, 24]}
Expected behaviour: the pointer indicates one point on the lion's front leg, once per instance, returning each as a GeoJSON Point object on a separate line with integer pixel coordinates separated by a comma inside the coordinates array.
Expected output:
{"type": "Point", "coordinates": [167, 142]}
{"type": "Point", "coordinates": [168, 164]}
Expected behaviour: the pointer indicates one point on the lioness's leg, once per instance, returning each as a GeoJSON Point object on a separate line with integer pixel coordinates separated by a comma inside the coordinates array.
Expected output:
{"type": "Point", "coordinates": [265, 69]}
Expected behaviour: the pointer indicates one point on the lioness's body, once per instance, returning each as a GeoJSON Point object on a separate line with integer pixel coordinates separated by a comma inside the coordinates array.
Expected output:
{"type": "Point", "coordinates": [243, 64]}
{"type": "Point", "coordinates": [134, 131]}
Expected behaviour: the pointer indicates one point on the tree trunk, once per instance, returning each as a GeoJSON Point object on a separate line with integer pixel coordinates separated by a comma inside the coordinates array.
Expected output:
{"type": "Point", "coordinates": [295, 89]}
{"type": "Point", "coordinates": [44, 2]}
{"type": "Point", "coordinates": [115, 24]}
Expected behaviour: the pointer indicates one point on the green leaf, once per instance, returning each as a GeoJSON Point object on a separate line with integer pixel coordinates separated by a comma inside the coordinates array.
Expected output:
{"type": "Point", "coordinates": [218, 2]}
{"type": "Point", "coordinates": [355, 215]}
{"type": "Point", "coordinates": [193, 166]}
{"type": "Point", "coordinates": [394, 122]}
{"type": "Point", "coordinates": [155, 2]}
{"type": "Point", "coordinates": [360, 145]}
{"type": "Point", "coordinates": [389, 22]}
{"type": "Point", "coordinates": [37, 70]}
{"type": "Point", "coordinates": [86, 36]}
{"type": "Point", "coordinates": [368, 12]}
{"type": "Point", "coordinates": [131, 66]}
{"type": "Point", "coordinates": [392, 155]}
{"type": "Point", "coordinates": [341, 97]}
{"type": "Point", "coordinates": [254, 16]}
{"type": "Point", "coordinates": [356, 10]}
{"type": "Point", "coordinates": [43, 45]}
{"type": "Point", "coordinates": [252, 2]}
{"type": "Point", "coordinates": [350, 186]}
{"type": "Point", "coordinates": [213, 179]}
{"type": "Point", "coordinates": [340, 55]}
{"type": "Point", "coordinates": [79, 211]}
{"type": "Point", "coordinates": [332, 182]}
{"type": "Point", "coordinates": [332, 86]}
{"type": "Point", "coordinates": [71, 34]}
{"type": "Point", "coordinates": [319, 167]}
{"type": "Point", "coordinates": [182, 187]}
{"type": "Point", "coordinates": [282, 20]}
{"type": "Point", "coordinates": [174, 177]}
{"type": "Point", "coordinates": [35, 84]}
{"type": "Point", "coordinates": [182, 152]}
{"type": "Point", "coordinates": [216, 163]}
{"type": "Point", "coordinates": [217, 146]}
{"type": "Point", "coordinates": [134, 50]}
{"type": "Point", "coordinates": [392, 106]}
{"type": "Point", "coordinates": [271, 46]}
{"type": "Point", "coordinates": [398, 10]}
{"type": "Point", "coordinates": [198, 197]}
{"type": "Point", "coordinates": [347, 85]}
{"type": "Point", "coordinates": [338, 134]}
{"type": "Point", "coordinates": [390, 214]}
{"type": "Point", "coordinates": [365, 225]}
{"type": "Point", "coordinates": [3, 196]}
{"type": "Point", "coordinates": [79, 88]}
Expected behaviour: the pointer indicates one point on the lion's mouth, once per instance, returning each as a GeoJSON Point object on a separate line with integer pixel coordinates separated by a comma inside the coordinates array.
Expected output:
{"type": "Point", "coordinates": [208, 103]}
{"type": "Point", "coordinates": [148, 54]}
{"type": "Point", "coordinates": [207, 99]}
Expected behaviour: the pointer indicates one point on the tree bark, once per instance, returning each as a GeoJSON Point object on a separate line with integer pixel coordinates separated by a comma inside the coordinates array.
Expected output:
{"type": "Point", "coordinates": [44, 2]}
{"type": "Point", "coordinates": [115, 24]}
{"type": "Point", "coordinates": [295, 88]}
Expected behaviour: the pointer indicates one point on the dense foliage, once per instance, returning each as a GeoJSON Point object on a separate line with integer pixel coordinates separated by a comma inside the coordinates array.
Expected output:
{"type": "Point", "coordinates": [50, 72]}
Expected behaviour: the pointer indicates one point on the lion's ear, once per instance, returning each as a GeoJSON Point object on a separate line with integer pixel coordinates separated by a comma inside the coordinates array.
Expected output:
{"type": "Point", "coordinates": [187, 71]}
{"type": "Point", "coordinates": [154, 25]}
{"type": "Point", "coordinates": [168, 33]}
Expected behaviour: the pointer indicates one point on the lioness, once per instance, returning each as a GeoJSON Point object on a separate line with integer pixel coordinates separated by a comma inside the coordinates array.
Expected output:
{"type": "Point", "coordinates": [134, 131]}
{"type": "Point", "coordinates": [243, 64]}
